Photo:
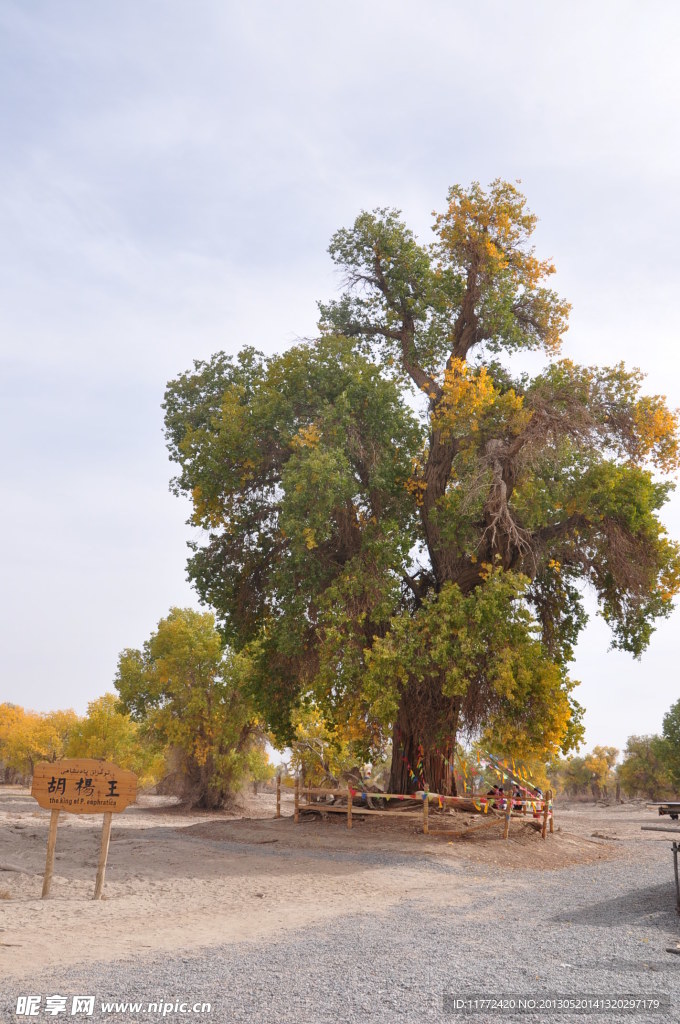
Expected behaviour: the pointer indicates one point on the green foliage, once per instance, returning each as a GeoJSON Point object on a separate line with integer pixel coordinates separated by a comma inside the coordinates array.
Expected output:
{"type": "Point", "coordinates": [569, 775]}
{"type": "Point", "coordinates": [258, 767]}
{"type": "Point", "coordinates": [183, 688]}
{"type": "Point", "coordinates": [108, 733]}
{"type": "Point", "coordinates": [322, 754]}
{"type": "Point", "coordinates": [671, 736]}
{"type": "Point", "coordinates": [480, 656]}
{"type": "Point", "coordinates": [644, 770]}
{"type": "Point", "coordinates": [591, 774]}
{"type": "Point", "coordinates": [481, 240]}
{"type": "Point", "coordinates": [425, 573]}
{"type": "Point", "coordinates": [298, 474]}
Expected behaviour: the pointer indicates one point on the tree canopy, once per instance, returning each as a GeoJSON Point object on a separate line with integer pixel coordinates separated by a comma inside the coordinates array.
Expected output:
{"type": "Point", "coordinates": [671, 737]}
{"type": "Point", "coordinates": [182, 690]}
{"type": "Point", "coordinates": [645, 769]}
{"type": "Point", "coordinates": [108, 733]}
{"type": "Point", "coordinates": [27, 737]}
{"type": "Point", "coordinates": [399, 525]}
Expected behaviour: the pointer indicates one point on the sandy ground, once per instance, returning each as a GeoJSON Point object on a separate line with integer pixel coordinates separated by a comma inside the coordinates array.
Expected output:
{"type": "Point", "coordinates": [186, 881]}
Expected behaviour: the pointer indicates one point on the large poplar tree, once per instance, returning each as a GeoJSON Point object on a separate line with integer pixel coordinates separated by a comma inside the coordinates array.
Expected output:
{"type": "Point", "coordinates": [399, 525]}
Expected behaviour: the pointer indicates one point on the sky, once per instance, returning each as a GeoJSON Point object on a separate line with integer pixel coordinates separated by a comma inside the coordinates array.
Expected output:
{"type": "Point", "coordinates": [170, 177]}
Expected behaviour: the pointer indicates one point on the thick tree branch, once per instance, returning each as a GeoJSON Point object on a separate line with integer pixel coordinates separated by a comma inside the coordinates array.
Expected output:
{"type": "Point", "coordinates": [406, 337]}
{"type": "Point", "coordinates": [467, 322]}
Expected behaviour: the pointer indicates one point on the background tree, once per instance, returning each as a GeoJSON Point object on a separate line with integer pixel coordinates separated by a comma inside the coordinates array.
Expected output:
{"type": "Point", "coordinates": [644, 769]}
{"type": "Point", "coordinates": [600, 763]}
{"type": "Point", "coordinates": [108, 733]}
{"type": "Point", "coordinates": [424, 573]}
{"type": "Point", "coordinates": [671, 735]}
{"type": "Point", "coordinates": [27, 737]}
{"type": "Point", "coordinates": [569, 775]}
{"type": "Point", "coordinates": [182, 688]}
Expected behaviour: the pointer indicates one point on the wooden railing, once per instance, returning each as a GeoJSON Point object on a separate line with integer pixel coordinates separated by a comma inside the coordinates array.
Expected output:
{"type": "Point", "coordinates": [511, 807]}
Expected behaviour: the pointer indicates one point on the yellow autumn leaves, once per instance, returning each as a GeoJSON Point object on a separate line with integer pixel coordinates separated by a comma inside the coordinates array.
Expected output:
{"type": "Point", "coordinates": [492, 227]}
{"type": "Point", "coordinates": [469, 403]}
{"type": "Point", "coordinates": [310, 539]}
{"type": "Point", "coordinates": [307, 437]}
{"type": "Point", "coordinates": [470, 399]}
{"type": "Point", "coordinates": [657, 432]}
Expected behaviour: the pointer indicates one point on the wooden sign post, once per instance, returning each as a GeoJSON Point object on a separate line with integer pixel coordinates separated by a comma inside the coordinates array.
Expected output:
{"type": "Point", "coordinates": [83, 785]}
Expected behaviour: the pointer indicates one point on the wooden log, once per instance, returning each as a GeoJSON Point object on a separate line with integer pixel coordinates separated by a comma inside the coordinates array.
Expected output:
{"type": "Point", "coordinates": [426, 810]}
{"type": "Point", "coordinates": [49, 862]}
{"type": "Point", "coordinates": [361, 811]}
{"type": "Point", "coordinates": [103, 855]}
{"type": "Point", "coordinates": [402, 807]}
{"type": "Point", "coordinates": [349, 807]}
{"type": "Point", "coordinates": [457, 833]}
{"type": "Point", "coordinates": [545, 816]}
{"type": "Point", "coordinates": [278, 795]}
{"type": "Point", "coordinates": [325, 791]}
{"type": "Point", "coordinates": [552, 812]}
{"type": "Point", "coordinates": [296, 812]}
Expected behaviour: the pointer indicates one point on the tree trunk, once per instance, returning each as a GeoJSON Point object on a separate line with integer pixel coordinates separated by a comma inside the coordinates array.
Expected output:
{"type": "Point", "coordinates": [424, 759]}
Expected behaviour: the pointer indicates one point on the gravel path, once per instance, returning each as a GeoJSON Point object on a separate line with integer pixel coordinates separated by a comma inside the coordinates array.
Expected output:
{"type": "Point", "coordinates": [597, 929]}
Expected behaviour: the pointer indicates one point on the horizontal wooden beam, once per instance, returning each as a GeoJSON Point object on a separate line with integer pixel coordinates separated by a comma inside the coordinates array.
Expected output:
{"type": "Point", "coordinates": [418, 797]}
{"type": "Point", "coordinates": [330, 809]}
{"type": "Point", "coordinates": [465, 832]}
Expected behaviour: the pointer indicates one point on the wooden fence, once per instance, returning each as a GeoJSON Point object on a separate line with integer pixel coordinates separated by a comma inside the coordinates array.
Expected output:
{"type": "Point", "coordinates": [511, 809]}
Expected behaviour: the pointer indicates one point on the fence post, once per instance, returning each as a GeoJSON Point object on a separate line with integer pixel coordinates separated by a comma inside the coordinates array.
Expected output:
{"type": "Point", "coordinates": [296, 815]}
{"type": "Point", "coordinates": [552, 812]}
{"type": "Point", "coordinates": [545, 815]}
{"type": "Point", "coordinates": [278, 795]}
{"type": "Point", "coordinates": [426, 813]}
{"type": "Point", "coordinates": [508, 812]}
{"type": "Point", "coordinates": [349, 807]}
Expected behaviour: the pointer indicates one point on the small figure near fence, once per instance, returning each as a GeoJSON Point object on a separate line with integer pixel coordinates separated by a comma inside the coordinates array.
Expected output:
{"type": "Point", "coordinates": [496, 794]}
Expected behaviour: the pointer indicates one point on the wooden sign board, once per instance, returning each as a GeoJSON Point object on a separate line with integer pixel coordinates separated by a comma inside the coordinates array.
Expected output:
{"type": "Point", "coordinates": [83, 785]}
